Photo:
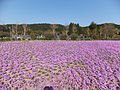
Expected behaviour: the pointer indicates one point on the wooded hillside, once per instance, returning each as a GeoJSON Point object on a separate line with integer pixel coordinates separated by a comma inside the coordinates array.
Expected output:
{"type": "Point", "coordinates": [61, 32]}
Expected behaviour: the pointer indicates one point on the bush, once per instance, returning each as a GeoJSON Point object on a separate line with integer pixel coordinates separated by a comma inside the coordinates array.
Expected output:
{"type": "Point", "coordinates": [73, 36]}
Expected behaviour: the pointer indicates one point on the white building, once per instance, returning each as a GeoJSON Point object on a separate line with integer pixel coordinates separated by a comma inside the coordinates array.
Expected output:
{"type": "Point", "coordinates": [21, 37]}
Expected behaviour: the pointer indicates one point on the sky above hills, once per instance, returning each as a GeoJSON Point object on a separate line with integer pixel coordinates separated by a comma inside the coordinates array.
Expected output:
{"type": "Point", "coordinates": [60, 11]}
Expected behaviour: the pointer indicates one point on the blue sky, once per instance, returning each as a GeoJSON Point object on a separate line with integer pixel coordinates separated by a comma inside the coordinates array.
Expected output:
{"type": "Point", "coordinates": [60, 11]}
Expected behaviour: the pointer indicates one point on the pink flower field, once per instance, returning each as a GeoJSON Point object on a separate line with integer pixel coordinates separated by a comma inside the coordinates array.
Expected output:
{"type": "Point", "coordinates": [64, 65]}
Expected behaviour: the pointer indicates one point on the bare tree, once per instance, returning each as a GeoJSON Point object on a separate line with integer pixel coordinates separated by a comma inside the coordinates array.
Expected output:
{"type": "Point", "coordinates": [25, 28]}
{"type": "Point", "coordinates": [16, 29]}
{"type": "Point", "coordinates": [53, 30]}
{"type": "Point", "coordinates": [10, 29]}
{"type": "Point", "coordinates": [66, 32]}
{"type": "Point", "coordinates": [13, 30]}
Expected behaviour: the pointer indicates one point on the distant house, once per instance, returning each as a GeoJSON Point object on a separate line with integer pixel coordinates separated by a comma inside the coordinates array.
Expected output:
{"type": "Point", "coordinates": [40, 37]}
{"type": "Point", "coordinates": [21, 37]}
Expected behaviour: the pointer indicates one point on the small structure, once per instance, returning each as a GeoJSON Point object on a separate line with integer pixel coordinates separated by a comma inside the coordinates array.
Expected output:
{"type": "Point", "coordinates": [21, 37]}
{"type": "Point", "coordinates": [40, 37]}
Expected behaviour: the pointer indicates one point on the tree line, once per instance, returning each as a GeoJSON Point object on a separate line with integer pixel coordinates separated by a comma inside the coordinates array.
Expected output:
{"type": "Point", "coordinates": [72, 31]}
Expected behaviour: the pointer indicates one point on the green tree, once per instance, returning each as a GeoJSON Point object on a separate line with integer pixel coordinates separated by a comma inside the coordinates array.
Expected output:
{"type": "Point", "coordinates": [93, 30]}
{"type": "Point", "coordinates": [70, 30]}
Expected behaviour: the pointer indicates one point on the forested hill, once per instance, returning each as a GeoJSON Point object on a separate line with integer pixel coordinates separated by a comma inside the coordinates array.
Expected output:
{"type": "Point", "coordinates": [64, 32]}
